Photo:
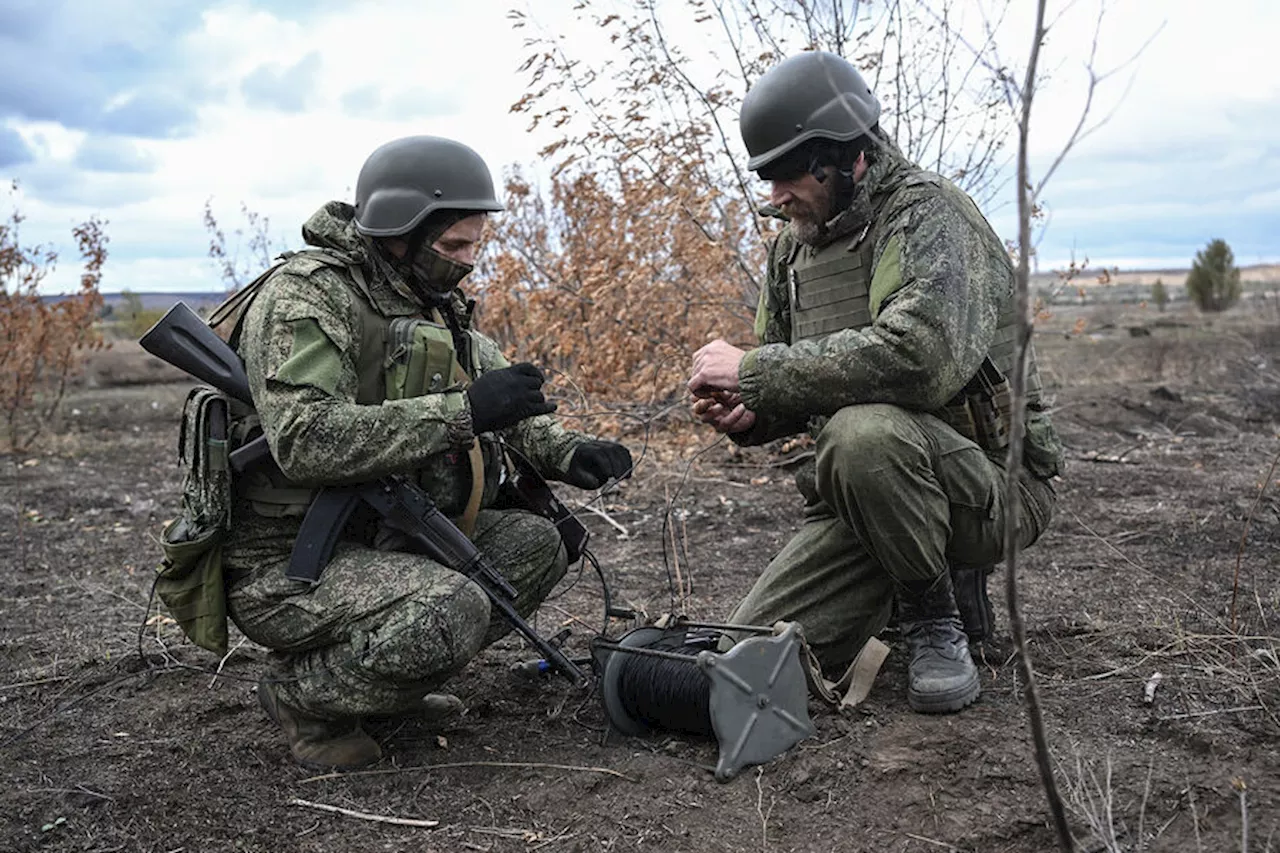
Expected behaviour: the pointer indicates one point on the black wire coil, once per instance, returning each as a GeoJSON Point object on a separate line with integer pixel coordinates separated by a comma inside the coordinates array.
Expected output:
{"type": "Point", "coordinates": [664, 693]}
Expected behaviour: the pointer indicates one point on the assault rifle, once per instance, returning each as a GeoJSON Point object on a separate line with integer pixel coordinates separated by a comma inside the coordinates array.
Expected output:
{"type": "Point", "coordinates": [182, 339]}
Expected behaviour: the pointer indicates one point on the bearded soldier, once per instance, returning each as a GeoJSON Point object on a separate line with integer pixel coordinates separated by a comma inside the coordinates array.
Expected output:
{"type": "Point", "coordinates": [363, 362]}
{"type": "Point", "coordinates": [886, 329]}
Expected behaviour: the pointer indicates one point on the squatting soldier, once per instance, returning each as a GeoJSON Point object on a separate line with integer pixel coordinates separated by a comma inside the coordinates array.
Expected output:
{"type": "Point", "coordinates": [363, 362]}
{"type": "Point", "coordinates": [886, 329]}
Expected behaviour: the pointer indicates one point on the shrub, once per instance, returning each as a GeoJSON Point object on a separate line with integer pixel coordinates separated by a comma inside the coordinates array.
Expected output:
{"type": "Point", "coordinates": [1159, 294]}
{"type": "Point", "coordinates": [41, 340]}
{"type": "Point", "coordinates": [1214, 281]}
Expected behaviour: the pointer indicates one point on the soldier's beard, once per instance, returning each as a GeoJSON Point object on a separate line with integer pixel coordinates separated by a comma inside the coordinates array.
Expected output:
{"type": "Point", "coordinates": [809, 221]}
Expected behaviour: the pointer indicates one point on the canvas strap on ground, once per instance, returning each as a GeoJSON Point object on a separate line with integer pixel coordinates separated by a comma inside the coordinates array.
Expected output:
{"type": "Point", "coordinates": [851, 688]}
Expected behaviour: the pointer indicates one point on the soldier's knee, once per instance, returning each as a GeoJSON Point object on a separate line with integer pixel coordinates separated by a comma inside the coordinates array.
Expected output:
{"type": "Point", "coordinates": [865, 438]}
{"type": "Point", "coordinates": [433, 633]}
{"type": "Point", "coordinates": [530, 541]}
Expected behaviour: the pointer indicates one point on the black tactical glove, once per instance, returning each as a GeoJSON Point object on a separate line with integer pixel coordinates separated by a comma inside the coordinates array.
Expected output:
{"type": "Point", "coordinates": [501, 398]}
{"type": "Point", "coordinates": [595, 463]}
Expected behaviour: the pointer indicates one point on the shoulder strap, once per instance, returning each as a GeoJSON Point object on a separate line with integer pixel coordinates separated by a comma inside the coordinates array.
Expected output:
{"type": "Point", "coordinates": [239, 301]}
{"type": "Point", "coordinates": [237, 305]}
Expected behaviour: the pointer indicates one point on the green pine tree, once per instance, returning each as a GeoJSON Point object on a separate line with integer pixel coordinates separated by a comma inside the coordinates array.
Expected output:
{"type": "Point", "coordinates": [1160, 294]}
{"type": "Point", "coordinates": [1214, 281]}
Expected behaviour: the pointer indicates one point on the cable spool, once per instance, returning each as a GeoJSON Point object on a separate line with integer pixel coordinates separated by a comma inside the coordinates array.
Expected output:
{"type": "Point", "coordinates": [753, 698]}
{"type": "Point", "coordinates": [665, 693]}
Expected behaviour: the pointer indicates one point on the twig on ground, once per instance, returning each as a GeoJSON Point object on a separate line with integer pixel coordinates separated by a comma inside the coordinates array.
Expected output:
{"type": "Point", "coordinates": [527, 765]}
{"type": "Point", "coordinates": [398, 821]}
{"type": "Point", "coordinates": [764, 815]}
{"type": "Point", "coordinates": [1235, 583]}
{"type": "Point", "coordinates": [1092, 801]}
{"type": "Point", "coordinates": [684, 545]}
{"type": "Point", "coordinates": [1194, 714]}
{"type": "Point", "coordinates": [567, 615]}
{"type": "Point", "coordinates": [78, 789]}
{"type": "Point", "coordinates": [34, 683]}
{"type": "Point", "coordinates": [723, 482]}
{"type": "Point", "coordinates": [1142, 811]}
{"type": "Point", "coordinates": [675, 554]}
{"type": "Point", "coordinates": [935, 842]}
{"type": "Point", "coordinates": [564, 836]}
{"type": "Point", "coordinates": [1109, 458]}
{"type": "Point", "coordinates": [217, 672]}
{"type": "Point", "coordinates": [615, 525]}
{"type": "Point", "coordinates": [1195, 818]}
{"type": "Point", "coordinates": [1243, 789]}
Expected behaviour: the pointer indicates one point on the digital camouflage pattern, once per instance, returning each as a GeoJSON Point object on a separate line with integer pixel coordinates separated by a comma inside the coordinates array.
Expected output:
{"type": "Point", "coordinates": [382, 627]}
{"type": "Point", "coordinates": [939, 287]}
{"type": "Point", "coordinates": [302, 342]}
{"type": "Point", "coordinates": [894, 495]}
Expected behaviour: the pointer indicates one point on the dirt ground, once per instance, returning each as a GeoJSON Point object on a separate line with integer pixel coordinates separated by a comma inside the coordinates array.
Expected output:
{"type": "Point", "coordinates": [1171, 424]}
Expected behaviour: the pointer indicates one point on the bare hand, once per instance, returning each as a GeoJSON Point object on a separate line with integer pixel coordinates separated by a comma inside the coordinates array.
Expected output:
{"type": "Point", "coordinates": [715, 368]}
{"type": "Point", "coordinates": [725, 412]}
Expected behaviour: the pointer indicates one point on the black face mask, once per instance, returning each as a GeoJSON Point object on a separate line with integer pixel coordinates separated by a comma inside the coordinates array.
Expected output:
{"type": "Point", "coordinates": [435, 272]}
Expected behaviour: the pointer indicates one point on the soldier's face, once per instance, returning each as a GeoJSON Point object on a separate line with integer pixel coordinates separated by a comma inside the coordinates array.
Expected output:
{"type": "Point", "coordinates": [803, 198]}
{"type": "Point", "coordinates": [461, 242]}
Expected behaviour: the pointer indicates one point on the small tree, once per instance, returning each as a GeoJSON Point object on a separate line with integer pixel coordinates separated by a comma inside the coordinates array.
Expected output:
{"type": "Point", "coordinates": [252, 239]}
{"type": "Point", "coordinates": [133, 319]}
{"type": "Point", "coordinates": [1214, 281]}
{"type": "Point", "coordinates": [1159, 294]}
{"type": "Point", "coordinates": [41, 340]}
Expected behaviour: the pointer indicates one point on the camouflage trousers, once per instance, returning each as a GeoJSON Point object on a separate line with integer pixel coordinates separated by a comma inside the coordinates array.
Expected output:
{"type": "Point", "coordinates": [383, 627]}
{"type": "Point", "coordinates": [894, 496]}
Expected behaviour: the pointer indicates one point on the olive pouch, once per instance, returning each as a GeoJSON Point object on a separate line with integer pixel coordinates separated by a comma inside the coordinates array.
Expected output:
{"type": "Point", "coordinates": [420, 358]}
{"type": "Point", "coordinates": [190, 580]}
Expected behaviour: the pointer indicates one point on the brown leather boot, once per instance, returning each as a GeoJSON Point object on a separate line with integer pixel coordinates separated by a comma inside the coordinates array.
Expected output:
{"type": "Point", "coordinates": [318, 743]}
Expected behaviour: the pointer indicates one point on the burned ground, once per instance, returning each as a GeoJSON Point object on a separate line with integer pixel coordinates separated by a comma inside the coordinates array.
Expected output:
{"type": "Point", "coordinates": [1171, 425]}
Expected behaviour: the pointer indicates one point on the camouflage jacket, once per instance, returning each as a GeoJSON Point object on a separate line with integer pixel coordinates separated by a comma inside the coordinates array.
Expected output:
{"type": "Point", "coordinates": [940, 280]}
{"type": "Point", "coordinates": [301, 343]}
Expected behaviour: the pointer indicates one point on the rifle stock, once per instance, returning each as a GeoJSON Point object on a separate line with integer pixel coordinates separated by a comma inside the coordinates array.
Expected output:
{"type": "Point", "coordinates": [182, 339]}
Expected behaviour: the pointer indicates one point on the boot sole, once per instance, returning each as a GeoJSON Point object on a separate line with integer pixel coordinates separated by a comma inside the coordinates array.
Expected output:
{"type": "Point", "coordinates": [946, 703]}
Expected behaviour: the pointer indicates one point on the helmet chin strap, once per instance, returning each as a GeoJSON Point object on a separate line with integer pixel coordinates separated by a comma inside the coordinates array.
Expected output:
{"type": "Point", "coordinates": [845, 186]}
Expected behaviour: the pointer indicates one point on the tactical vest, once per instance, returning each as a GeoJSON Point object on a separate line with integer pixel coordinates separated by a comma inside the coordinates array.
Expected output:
{"type": "Point", "coordinates": [398, 357]}
{"type": "Point", "coordinates": [829, 288]}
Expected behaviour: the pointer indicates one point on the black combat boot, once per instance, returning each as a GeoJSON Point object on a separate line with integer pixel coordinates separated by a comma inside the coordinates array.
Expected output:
{"type": "Point", "coordinates": [941, 677]}
{"type": "Point", "coordinates": [973, 602]}
{"type": "Point", "coordinates": [315, 742]}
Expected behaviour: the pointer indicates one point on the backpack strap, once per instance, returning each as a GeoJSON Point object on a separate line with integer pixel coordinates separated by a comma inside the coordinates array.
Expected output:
{"type": "Point", "coordinates": [237, 305]}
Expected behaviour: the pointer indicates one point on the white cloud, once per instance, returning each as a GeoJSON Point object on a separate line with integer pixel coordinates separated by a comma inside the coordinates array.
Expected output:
{"type": "Point", "coordinates": [333, 81]}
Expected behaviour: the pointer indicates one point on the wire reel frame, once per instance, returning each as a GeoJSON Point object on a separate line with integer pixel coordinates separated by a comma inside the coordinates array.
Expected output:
{"type": "Point", "coordinates": [759, 696]}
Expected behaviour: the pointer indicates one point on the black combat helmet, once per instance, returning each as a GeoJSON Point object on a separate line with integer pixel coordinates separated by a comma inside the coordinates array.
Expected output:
{"type": "Point", "coordinates": [407, 179]}
{"type": "Point", "coordinates": [813, 95]}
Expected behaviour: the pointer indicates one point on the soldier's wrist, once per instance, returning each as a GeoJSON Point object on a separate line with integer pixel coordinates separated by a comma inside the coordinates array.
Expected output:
{"type": "Point", "coordinates": [749, 380]}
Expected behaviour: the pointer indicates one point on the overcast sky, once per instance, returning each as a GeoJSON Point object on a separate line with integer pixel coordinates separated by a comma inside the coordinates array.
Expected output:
{"type": "Point", "coordinates": [140, 110]}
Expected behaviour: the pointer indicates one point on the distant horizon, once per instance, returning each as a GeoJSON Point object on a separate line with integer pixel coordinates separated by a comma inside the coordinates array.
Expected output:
{"type": "Point", "coordinates": [1086, 276]}
{"type": "Point", "coordinates": [144, 113]}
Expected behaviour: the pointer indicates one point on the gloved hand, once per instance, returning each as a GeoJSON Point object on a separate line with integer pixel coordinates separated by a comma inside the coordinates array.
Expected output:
{"type": "Point", "coordinates": [501, 398]}
{"type": "Point", "coordinates": [595, 463]}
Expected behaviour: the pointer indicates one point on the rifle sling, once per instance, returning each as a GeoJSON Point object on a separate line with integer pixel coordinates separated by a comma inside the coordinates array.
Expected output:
{"type": "Point", "coordinates": [467, 521]}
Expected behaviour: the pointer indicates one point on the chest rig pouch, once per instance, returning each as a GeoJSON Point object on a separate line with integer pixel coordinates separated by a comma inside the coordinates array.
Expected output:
{"type": "Point", "coordinates": [422, 359]}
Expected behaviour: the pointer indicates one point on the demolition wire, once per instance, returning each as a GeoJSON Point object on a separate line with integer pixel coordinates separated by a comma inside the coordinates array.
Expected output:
{"type": "Point", "coordinates": [666, 693]}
